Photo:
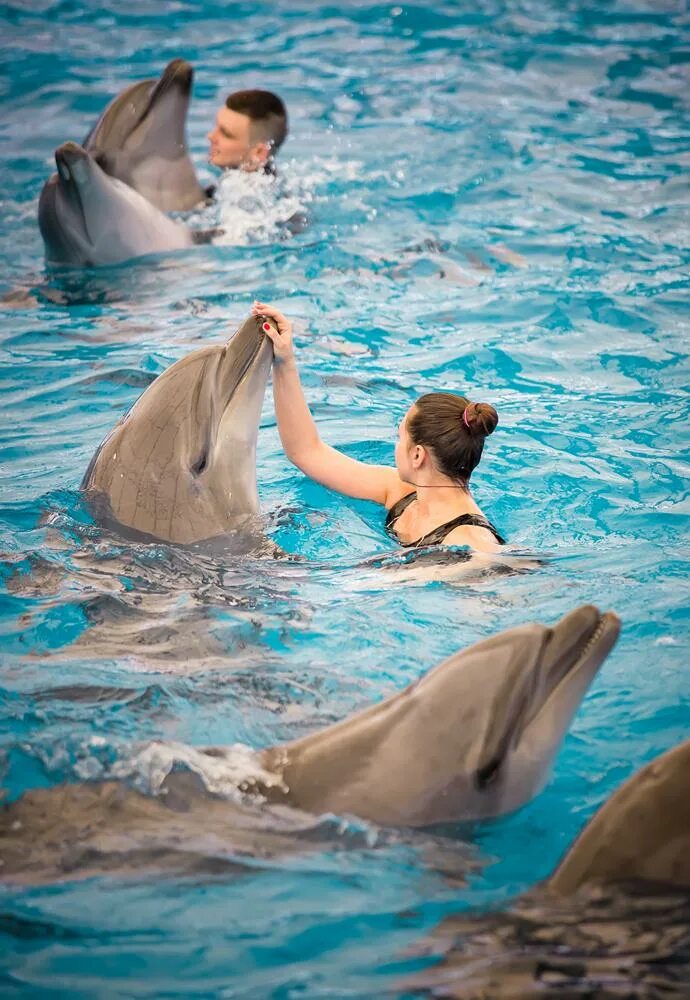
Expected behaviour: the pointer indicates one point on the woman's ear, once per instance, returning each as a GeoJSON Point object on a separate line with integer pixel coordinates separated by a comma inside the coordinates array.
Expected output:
{"type": "Point", "coordinates": [418, 456]}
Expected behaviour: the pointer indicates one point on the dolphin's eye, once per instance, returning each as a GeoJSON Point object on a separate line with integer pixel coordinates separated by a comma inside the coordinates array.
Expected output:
{"type": "Point", "coordinates": [200, 464]}
{"type": "Point", "coordinates": [487, 774]}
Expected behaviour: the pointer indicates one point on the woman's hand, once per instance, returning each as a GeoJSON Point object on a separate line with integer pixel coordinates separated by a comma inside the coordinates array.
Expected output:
{"type": "Point", "coordinates": [283, 349]}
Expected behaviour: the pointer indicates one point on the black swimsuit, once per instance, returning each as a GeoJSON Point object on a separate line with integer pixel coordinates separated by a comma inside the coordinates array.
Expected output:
{"type": "Point", "coordinates": [437, 536]}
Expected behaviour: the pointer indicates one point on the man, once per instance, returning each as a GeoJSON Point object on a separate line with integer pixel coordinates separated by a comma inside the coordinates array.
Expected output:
{"type": "Point", "coordinates": [250, 129]}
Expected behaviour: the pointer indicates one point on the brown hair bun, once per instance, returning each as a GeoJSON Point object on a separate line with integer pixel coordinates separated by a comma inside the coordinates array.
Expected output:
{"type": "Point", "coordinates": [480, 419]}
{"type": "Point", "coordinates": [454, 429]}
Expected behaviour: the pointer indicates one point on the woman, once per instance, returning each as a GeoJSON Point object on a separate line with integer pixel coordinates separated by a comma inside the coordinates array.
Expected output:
{"type": "Point", "coordinates": [440, 442]}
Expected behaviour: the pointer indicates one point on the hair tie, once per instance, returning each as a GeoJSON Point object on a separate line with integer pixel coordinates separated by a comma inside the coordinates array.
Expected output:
{"type": "Point", "coordinates": [464, 417]}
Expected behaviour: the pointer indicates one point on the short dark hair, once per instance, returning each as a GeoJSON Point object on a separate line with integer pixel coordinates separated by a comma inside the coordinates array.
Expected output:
{"type": "Point", "coordinates": [266, 112]}
{"type": "Point", "coordinates": [454, 429]}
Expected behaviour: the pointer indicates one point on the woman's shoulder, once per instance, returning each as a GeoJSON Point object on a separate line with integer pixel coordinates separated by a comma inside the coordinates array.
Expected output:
{"type": "Point", "coordinates": [475, 535]}
{"type": "Point", "coordinates": [397, 490]}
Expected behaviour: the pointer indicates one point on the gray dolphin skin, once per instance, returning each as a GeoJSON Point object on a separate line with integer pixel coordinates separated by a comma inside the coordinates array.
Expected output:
{"type": "Point", "coordinates": [641, 833]}
{"type": "Point", "coordinates": [612, 921]}
{"type": "Point", "coordinates": [473, 738]}
{"type": "Point", "coordinates": [180, 466]}
{"type": "Point", "coordinates": [140, 139]}
{"type": "Point", "coordinates": [88, 219]}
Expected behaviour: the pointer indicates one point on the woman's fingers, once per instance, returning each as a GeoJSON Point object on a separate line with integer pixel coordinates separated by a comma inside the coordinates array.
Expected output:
{"type": "Point", "coordinates": [280, 337]}
{"type": "Point", "coordinates": [271, 333]}
{"type": "Point", "coordinates": [262, 309]}
{"type": "Point", "coordinates": [277, 318]}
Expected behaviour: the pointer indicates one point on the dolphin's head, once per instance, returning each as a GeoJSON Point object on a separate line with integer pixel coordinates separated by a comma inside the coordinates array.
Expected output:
{"type": "Point", "coordinates": [181, 465]}
{"type": "Point", "coordinates": [158, 106]}
{"type": "Point", "coordinates": [571, 654]}
{"type": "Point", "coordinates": [473, 738]}
{"type": "Point", "coordinates": [61, 216]}
{"type": "Point", "coordinates": [502, 709]}
{"type": "Point", "coordinates": [87, 218]}
{"type": "Point", "coordinates": [140, 139]}
{"type": "Point", "coordinates": [642, 833]}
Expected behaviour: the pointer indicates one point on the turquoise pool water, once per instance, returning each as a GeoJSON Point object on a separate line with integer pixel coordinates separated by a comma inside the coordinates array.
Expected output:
{"type": "Point", "coordinates": [499, 201]}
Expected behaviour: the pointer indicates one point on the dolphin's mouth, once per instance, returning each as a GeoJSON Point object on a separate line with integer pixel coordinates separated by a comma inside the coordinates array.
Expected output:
{"type": "Point", "coordinates": [240, 371]}
{"type": "Point", "coordinates": [177, 73]}
{"type": "Point", "coordinates": [588, 648]}
{"type": "Point", "coordinates": [65, 156]}
{"type": "Point", "coordinates": [248, 364]}
{"type": "Point", "coordinates": [607, 618]}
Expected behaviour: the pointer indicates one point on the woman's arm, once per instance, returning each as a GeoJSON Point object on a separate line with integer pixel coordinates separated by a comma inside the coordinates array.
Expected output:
{"type": "Point", "coordinates": [299, 434]}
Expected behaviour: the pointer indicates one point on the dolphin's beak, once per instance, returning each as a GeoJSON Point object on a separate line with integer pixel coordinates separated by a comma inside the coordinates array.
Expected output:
{"type": "Point", "coordinates": [74, 168]}
{"type": "Point", "coordinates": [72, 162]}
{"type": "Point", "coordinates": [178, 73]}
{"type": "Point", "coordinates": [246, 345]}
{"type": "Point", "coordinates": [580, 641]}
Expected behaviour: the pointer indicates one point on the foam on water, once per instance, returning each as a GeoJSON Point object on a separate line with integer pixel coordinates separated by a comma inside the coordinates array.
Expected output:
{"type": "Point", "coordinates": [151, 764]}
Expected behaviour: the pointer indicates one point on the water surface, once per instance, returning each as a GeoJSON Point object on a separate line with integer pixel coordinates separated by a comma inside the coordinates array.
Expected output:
{"type": "Point", "coordinates": [498, 200]}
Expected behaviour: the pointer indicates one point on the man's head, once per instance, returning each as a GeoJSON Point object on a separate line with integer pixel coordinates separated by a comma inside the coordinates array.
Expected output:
{"type": "Point", "coordinates": [249, 130]}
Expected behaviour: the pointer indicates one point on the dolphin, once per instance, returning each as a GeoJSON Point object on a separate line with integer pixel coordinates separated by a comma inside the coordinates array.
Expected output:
{"type": "Point", "coordinates": [472, 738]}
{"type": "Point", "coordinates": [612, 920]}
{"type": "Point", "coordinates": [140, 139]}
{"type": "Point", "coordinates": [88, 219]}
{"type": "Point", "coordinates": [641, 833]}
{"type": "Point", "coordinates": [180, 466]}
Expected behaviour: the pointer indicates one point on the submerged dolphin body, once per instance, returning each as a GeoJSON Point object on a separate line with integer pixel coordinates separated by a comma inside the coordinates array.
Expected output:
{"type": "Point", "coordinates": [473, 738]}
{"type": "Point", "coordinates": [140, 139]}
{"type": "Point", "coordinates": [89, 219]}
{"type": "Point", "coordinates": [641, 833]}
{"type": "Point", "coordinates": [180, 466]}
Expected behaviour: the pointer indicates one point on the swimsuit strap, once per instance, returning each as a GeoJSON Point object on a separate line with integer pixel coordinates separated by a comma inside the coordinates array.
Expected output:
{"type": "Point", "coordinates": [398, 507]}
{"type": "Point", "coordinates": [437, 535]}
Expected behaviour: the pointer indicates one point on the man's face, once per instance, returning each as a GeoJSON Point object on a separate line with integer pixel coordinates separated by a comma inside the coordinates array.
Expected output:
{"type": "Point", "coordinates": [231, 144]}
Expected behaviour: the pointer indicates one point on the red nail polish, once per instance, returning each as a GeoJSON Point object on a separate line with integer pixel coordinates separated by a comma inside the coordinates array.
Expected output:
{"type": "Point", "coordinates": [266, 327]}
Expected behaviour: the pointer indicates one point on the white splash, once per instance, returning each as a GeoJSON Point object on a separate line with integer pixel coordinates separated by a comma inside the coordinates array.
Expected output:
{"type": "Point", "coordinates": [257, 207]}
{"type": "Point", "coordinates": [254, 207]}
{"type": "Point", "coordinates": [236, 767]}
